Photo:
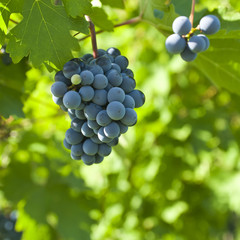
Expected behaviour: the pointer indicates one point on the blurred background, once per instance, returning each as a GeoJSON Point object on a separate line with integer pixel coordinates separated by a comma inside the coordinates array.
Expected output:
{"type": "Point", "coordinates": [175, 175]}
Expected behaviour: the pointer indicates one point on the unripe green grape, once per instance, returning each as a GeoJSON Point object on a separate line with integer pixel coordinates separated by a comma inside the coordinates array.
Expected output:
{"type": "Point", "coordinates": [76, 79]}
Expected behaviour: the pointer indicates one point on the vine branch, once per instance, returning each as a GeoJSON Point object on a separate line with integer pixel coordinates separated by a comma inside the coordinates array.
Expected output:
{"type": "Point", "coordinates": [191, 17]}
{"type": "Point", "coordinates": [93, 36]}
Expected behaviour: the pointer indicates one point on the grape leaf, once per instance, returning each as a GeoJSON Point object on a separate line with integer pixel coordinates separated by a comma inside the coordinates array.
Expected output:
{"type": "Point", "coordinates": [100, 19]}
{"type": "Point", "coordinates": [113, 3]}
{"type": "Point", "coordinates": [44, 35]}
{"type": "Point", "coordinates": [77, 8]}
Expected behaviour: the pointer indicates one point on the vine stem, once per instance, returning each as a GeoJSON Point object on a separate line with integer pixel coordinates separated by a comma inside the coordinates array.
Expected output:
{"type": "Point", "coordinates": [93, 36]}
{"type": "Point", "coordinates": [191, 17]}
{"type": "Point", "coordinates": [130, 21]}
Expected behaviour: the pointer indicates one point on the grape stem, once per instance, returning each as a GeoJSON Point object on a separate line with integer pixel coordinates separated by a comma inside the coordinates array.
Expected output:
{"type": "Point", "coordinates": [13, 21]}
{"type": "Point", "coordinates": [93, 36]}
{"type": "Point", "coordinates": [191, 17]}
{"type": "Point", "coordinates": [130, 21]}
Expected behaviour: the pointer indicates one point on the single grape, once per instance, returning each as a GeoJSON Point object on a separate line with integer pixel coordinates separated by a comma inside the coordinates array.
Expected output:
{"type": "Point", "coordinates": [104, 150]}
{"type": "Point", "coordinates": [100, 97]}
{"type": "Point", "coordinates": [175, 43]}
{"type": "Point", "coordinates": [95, 139]}
{"type": "Point", "coordinates": [71, 99]}
{"type": "Point", "coordinates": [92, 110]}
{"type": "Point", "coordinates": [209, 24]}
{"type": "Point", "coordinates": [123, 127]}
{"type": "Point", "coordinates": [101, 52]}
{"type": "Point", "coordinates": [70, 68]}
{"type": "Point", "coordinates": [87, 93]}
{"type": "Point", "coordinates": [57, 100]}
{"type": "Point", "coordinates": [88, 160]}
{"type": "Point", "coordinates": [76, 124]}
{"type": "Point", "coordinates": [76, 79]}
{"type": "Point", "coordinates": [115, 110]}
{"type": "Point", "coordinates": [103, 119]}
{"type": "Point", "coordinates": [86, 57]}
{"type": "Point", "coordinates": [113, 51]}
{"type": "Point", "coordinates": [93, 124]}
{"type": "Point", "coordinates": [116, 67]}
{"type": "Point", "coordinates": [113, 143]}
{"type": "Point", "coordinates": [114, 77]}
{"type": "Point", "coordinates": [116, 94]}
{"type": "Point", "coordinates": [59, 77]}
{"type": "Point", "coordinates": [87, 77]}
{"type": "Point", "coordinates": [73, 137]}
{"type": "Point", "coordinates": [121, 61]}
{"type": "Point", "coordinates": [66, 144]}
{"type": "Point", "coordinates": [196, 44]}
{"type": "Point", "coordinates": [181, 25]}
{"type": "Point", "coordinates": [112, 130]}
{"type": "Point", "coordinates": [102, 137]}
{"type": "Point", "coordinates": [187, 55]}
{"type": "Point", "coordinates": [77, 149]}
{"type": "Point", "coordinates": [129, 102]}
{"type": "Point", "coordinates": [86, 130]}
{"type": "Point", "coordinates": [207, 43]}
{"type": "Point", "coordinates": [138, 96]}
{"type": "Point", "coordinates": [79, 62]}
{"type": "Point", "coordinates": [128, 84]}
{"type": "Point", "coordinates": [100, 81]}
{"type": "Point", "coordinates": [98, 159]}
{"type": "Point", "coordinates": [129, 73]}
{"type": "Point", "coordinates": [89, 147]}
{"type": "Point", "coordinates": [74, 157]}
{"type": "Point", "coordinates": [71, 113]}
{"type": "Point", "coordinates": [104, 62]}
{"type": "Point", "coordinates": [130, 117]}
{"type": "Point", "coordinates": [58, 89]}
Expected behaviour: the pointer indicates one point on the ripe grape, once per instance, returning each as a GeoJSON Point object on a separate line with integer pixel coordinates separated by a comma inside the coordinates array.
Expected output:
{"type": "Point", "coordinates": [175, 43]}
{"type": "Point", "coordinates": [209, 24]}
{"type": "Point", "coordinates": [181, 25]}
{"type": "Point", "coordinates": [196, 44]}
{"type": "Point", "coordinates": [115, 110]}
{"type": "Point", "coordinates": [187, 55]}
{"type": "Point", "coordinates": [71, 99]}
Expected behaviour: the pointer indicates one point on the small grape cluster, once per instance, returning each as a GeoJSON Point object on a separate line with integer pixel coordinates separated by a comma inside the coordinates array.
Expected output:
{"type": "Point", "coordinates": [184, 41]}
{"type": "Point", "coordinates": [99, 95]}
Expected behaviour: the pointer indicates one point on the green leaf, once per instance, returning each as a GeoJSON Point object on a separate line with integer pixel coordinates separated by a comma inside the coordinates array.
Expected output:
{"type": "Point", "coordinates": [77, 8]}
{"type": "Point", "coordinates": [159, 14]}
{"type": "Point", "coordinates": [113, 3]}
{"type": "Point", "coordinates": [100, 19]}
{"type": "Point", "coordinates": [44, 34]}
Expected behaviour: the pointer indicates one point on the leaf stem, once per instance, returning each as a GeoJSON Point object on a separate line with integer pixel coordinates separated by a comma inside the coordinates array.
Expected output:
{"type": "Point", "coordinates": [93, 36]}
{"type": "Point", "coordinates": [191, 17]}
{"type": "Point", "coordinates": [13, 21]}
{"type": "Point", "coordinates": [130, 21]}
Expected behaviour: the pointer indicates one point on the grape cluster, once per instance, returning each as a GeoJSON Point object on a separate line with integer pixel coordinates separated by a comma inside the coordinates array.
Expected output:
{"type": "Point", "coordinates": [184, 41]}
{"type": "Point", "coordinates": [99, 96]}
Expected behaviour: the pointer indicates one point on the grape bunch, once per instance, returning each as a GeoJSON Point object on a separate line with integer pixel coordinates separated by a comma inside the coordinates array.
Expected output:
{"type": "Point", "coordinates": [184, 41]}
{"type": "Point", "coordinates": [100, 96]}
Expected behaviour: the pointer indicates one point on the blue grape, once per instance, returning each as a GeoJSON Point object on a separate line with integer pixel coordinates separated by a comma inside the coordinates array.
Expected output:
{"type": "Point", "coordinates": [115, 110]}
{"type": "Point", "coordinates": [74, 157]}
{"type": "Point", "coordinates": [121, 61]}
{"type": "Point", "coordinates": [116, 67]}
{"type": "Point", "coordinates": [101, 52]}
{"type": "Point", "coordinates": [128, 84]}
{"type": "Point", "coordinates": [93, 124]}
{"type": "Point", "coordinates": [102, 137]}
{"type": "Point", "coordinates": [76, 124]}
{"type": "Point", "coordinates": [187, 55]}
{"type": "Point", "coordinates": [71, 113]}
{"type": "Point", "coordinates": [81, 106]}
{"type": "Point", "coordinates": [138, 96]}
{"type": "Point", "coordinates": [66, 144]}
{"type": "Point", "coordinates": [116, 94]}
{"type": "Point", "coordinates": [86, 57]}
{"type": "Point", "coordinates": [113, 143]}
{"type": "Point", "coordinates": [57, 100]}
{"type": "Point", "coordinates": [100, 97]}
{"type": "Point", "coordinates": [71, 99]}
{"type": "Point", "coordinates": [63, 108]}
{"type": "Point", "coordinates": [87, 77]}
{"type": "Point", "coordinates": [129, 73]}
{"type": "Point", "coordinates": [73, 137]}
{"type": "Point", "coordinates": [95, 69]}
{"type": "Point", "coordinates": [129, 102]}
{"type": "Point", "coordinates": [196, 44]}
{"type": "Point", "coordinates": [104, 150]}
{"type": "Point", "coordinates": [209, 24]}
{"type": "Point", "coordinates": [79, 62]}
{"type": "Point", "coordinates": [181, 25]}
{"type": "Point", "coordinates": [104, 62]}
{"type": "Point", "coordinates": [86, 130]}
{"type": "Point", "coordinates": [70, 68]}
{"type": "Point", "coordinates": [87, 93]}
{"type": "Point", "coordinates": [112, 130]}
{"type": "Point", "coordinates": [58, 89]}
{"type": "Point", "coordinates": [123, 127]}
{"type": "Point", "coordinates": [130, 117]}
{"type": "Point", "coordinates": [88, 160]}
{"type": "Point", "coordinates": [113, 51]}
{"type": "Point", "coordinates": [103, 119]}
{"type": "Point", "coordinates": [59, 77]}
{"type": "Point", "coordinates": [114, 77]}
{"type": "Point", "coordinates": [175, 44]}
{"type": "Point", "coordinates": [98, 159]}
{"type": "Point", "coordinates": [95, 139]}
{"type": "Point", "coordinates": [77, 149]}
{"type": "Point", "coordinates": [80, 114]}
{"type": "Point", "coordinates": [91, 111]}
{"type": "Point", "coordinates": [100, 81]}
{"type": "Point", "coordinates": [89, 147]}
{"type": "Point", "coordinates": [207, 43]}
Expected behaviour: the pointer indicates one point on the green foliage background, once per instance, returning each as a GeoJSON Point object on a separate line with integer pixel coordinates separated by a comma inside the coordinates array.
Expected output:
{"type": "Point", "coordinates": [173, 176]}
